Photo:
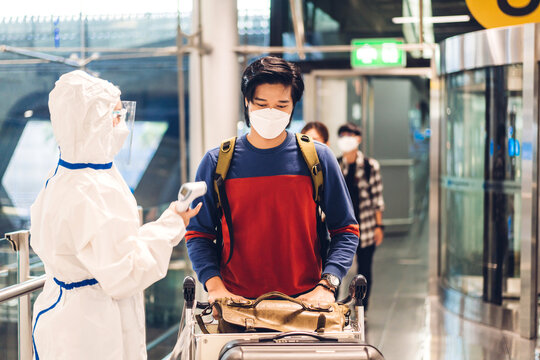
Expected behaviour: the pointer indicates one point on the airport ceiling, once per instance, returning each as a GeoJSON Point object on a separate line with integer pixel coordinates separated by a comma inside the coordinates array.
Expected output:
{"type": "Point", "coordinates": [373, 18]}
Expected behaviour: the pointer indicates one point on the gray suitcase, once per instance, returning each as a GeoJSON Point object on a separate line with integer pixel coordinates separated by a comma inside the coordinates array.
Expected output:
{"type": "Point", "coordinates": [298, 346]}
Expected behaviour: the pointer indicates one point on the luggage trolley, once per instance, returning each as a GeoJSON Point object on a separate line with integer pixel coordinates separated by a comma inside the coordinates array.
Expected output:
{"type": "Point", "coordinates": [193, 344]}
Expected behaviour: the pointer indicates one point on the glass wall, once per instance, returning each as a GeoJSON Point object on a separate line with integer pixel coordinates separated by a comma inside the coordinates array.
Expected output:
{"type": "Point", "coordinates": [29, 150]}
{"type": "Point", "coordinates": [122, 42]}
{"type": "Point", "coordinates": [481, 182]}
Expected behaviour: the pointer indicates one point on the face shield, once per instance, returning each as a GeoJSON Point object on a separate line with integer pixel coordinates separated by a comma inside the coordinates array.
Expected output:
{"type": "Point", "coordinates": [124, 120]}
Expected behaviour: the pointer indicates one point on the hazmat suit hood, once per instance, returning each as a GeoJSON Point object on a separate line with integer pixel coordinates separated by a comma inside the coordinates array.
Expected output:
{"type": "Point", "coordinates": [81, 114]}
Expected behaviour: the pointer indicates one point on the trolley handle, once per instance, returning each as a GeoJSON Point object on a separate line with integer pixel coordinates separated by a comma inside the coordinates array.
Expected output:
{"type": "Point", "coordinates": [357, 291]}
{"type": "Point", "coordinates": [298, 333]}
{"type": "Point", "coordinates": [189, 291]}
{"type": "Point", "coordinates": [359, 283]}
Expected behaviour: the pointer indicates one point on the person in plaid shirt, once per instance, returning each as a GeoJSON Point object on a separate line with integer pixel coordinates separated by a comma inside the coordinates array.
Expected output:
{"type": "Point", "coordinates": [363, 178]}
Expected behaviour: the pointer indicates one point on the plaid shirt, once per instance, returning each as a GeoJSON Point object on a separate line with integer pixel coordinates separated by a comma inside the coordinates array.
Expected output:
{"type": "Point", "coordinates": [369, 202]}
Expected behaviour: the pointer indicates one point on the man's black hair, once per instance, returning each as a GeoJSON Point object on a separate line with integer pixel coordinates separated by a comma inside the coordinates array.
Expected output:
{"type": "Point", "coordinates": [271, 70]}
{"type": "Point", "coordinates": [350, 128]}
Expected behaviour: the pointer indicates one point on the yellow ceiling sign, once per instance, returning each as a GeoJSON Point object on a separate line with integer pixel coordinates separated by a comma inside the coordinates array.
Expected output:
{"type": "Point", "coordinates": [496, 13]}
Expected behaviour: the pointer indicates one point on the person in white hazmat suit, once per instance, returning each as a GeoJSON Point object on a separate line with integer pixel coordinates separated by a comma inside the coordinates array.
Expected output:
{"type": "Point", "coordinates": [85, 228]}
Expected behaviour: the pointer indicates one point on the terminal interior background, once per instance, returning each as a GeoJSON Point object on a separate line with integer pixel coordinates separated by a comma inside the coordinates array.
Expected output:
{"type": "Point", "coordinates": [456, 151]}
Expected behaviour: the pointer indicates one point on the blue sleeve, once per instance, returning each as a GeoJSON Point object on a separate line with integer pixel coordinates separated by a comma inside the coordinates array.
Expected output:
{"type": "Point", "coordinates": [337, 205]}
{"type": "Point", "coordinates": [202, 229]}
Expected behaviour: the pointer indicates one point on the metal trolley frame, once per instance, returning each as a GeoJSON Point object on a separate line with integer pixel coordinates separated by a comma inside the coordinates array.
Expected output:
{"type": "Point", "coordinates": [193, 344]}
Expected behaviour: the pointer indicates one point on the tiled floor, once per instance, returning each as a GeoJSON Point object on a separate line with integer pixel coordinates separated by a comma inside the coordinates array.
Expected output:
{"type": "Point", "coordinates": [404, 323]}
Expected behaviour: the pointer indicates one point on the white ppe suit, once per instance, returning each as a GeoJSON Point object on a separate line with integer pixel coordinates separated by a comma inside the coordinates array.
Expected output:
{"type": "Point", "coordinates": [85, 228]}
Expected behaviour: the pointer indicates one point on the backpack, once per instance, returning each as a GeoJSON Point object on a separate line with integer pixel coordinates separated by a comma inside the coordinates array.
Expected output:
{"type": "Point", "coordinates": [226, 151]}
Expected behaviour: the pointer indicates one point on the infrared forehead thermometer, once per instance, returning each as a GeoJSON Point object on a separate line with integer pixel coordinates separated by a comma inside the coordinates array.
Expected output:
{"type": "Point", "coordinates": [189, 192]}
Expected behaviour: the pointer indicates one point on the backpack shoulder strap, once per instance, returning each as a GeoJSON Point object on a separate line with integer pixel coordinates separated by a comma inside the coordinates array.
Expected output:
{"type": "Point", "coordinates": [367, 174]}
{"type": "Point", "coordinates": [309, 152]}
{"type": "Point", "coordinates": [226, 151]}
{"type": "Point", "coordinates": [307, 147]}
{"type": "Point", "coordinates": [367, 169]}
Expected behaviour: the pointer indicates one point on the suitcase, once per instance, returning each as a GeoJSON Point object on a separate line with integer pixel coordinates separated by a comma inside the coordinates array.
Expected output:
{"type": "Point", "coordinates": [346, 345]}
{"type": "Point", "coordinates": [298, 346]}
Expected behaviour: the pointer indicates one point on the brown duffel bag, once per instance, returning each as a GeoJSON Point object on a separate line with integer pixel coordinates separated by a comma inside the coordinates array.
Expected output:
{"type": "Point", "coordinates": [276, 311]}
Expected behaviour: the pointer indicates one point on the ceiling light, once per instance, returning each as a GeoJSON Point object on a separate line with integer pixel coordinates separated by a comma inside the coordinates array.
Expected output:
{"type": "Point", "coordinates": [431, 19]}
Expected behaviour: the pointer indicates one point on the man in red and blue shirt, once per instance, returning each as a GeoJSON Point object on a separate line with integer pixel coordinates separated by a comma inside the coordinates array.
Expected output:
{"type": "Point", "coordinates": [270, 194]}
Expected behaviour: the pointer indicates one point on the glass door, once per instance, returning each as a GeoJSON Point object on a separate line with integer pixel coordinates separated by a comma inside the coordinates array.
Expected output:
{"type": "Point", "coordinates": [481, 184]}
{"type": "Point", "coordinates": [393, 113]}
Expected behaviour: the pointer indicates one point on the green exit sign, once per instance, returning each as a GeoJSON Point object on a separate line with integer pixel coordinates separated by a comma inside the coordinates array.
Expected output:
{"type": "Point", "coordinates": [377, 53]}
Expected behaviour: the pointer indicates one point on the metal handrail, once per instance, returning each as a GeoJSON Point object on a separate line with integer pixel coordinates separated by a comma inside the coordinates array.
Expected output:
{"type": "Point", "coordinates": [34, 262]}
{"type": "Point", "coordinates": [20, 243]}
{"type": "Point", "coordinates": [18, 290]}
{"type": "Point", "coordinates": [170, 331]}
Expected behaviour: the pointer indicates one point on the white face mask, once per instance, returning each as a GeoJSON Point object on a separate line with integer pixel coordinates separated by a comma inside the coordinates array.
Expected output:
{"type": "Point", "coordinates": [347, 143]}
{"type": "Point", "coordinates": [269, 123]}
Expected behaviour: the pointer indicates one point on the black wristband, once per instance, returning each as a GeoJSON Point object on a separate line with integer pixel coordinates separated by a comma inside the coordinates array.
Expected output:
{"type": "Point", "coordinates": [380, 226]}
{"type": "Point", "coordinates": [327, 287]}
